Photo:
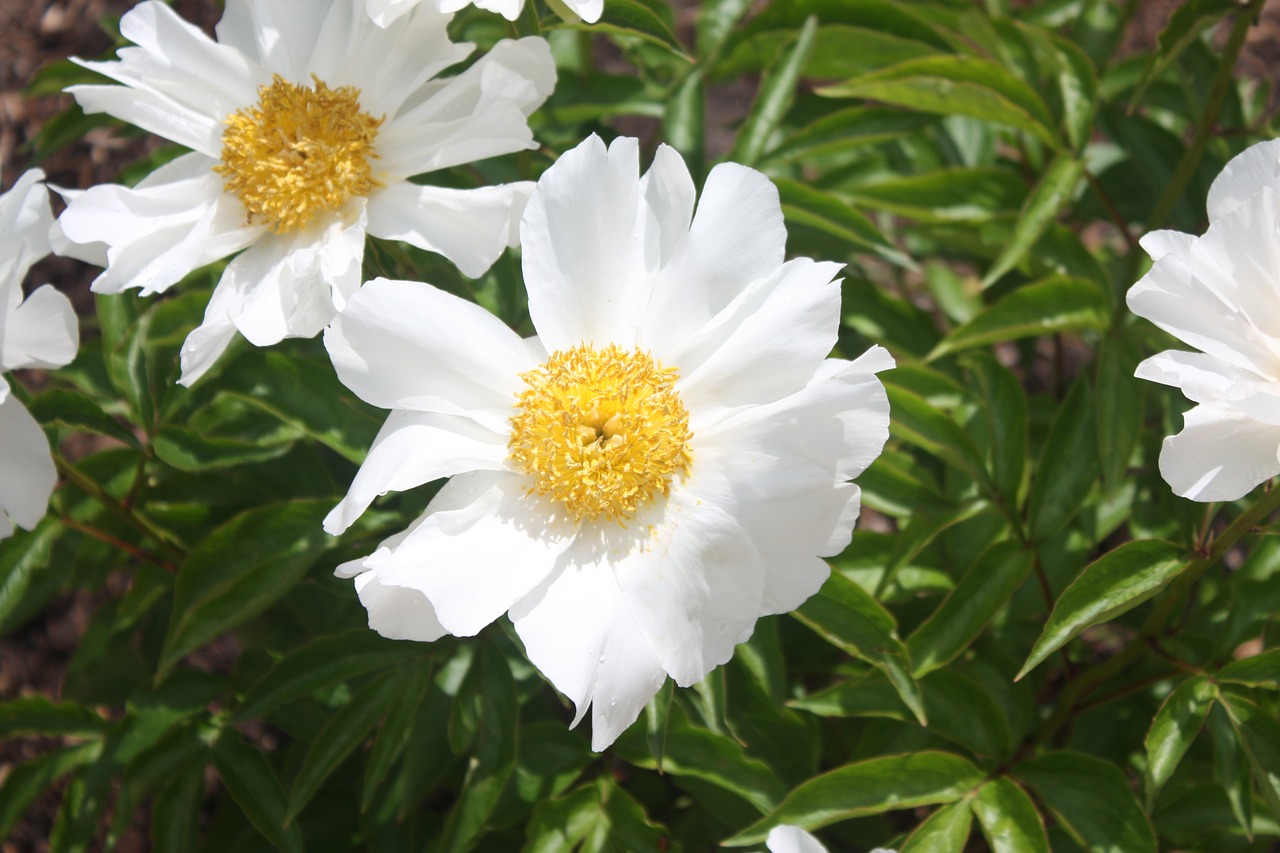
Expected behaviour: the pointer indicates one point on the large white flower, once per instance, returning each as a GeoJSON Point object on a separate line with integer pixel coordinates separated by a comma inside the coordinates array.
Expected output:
{"type": "Point", "coordinates": [666, 462]}
{"type": "Point", "coordinates": [38, 332]}
{"type": "Point", "coordinates": [306, 121]}
{"type": "Point", "coordinates": [1220, 293]}
{"type": "Point", "coordinates": [386, 11]}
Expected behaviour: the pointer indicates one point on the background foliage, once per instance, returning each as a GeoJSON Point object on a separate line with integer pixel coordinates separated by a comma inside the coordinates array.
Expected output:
{"type": "Point", "coordinates": [1030, 645]}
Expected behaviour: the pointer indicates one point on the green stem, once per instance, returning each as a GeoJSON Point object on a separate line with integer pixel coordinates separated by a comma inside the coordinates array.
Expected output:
{"type": "Point", "coordinates": [128, 515]}
{"type": "Point", "coordinates": [1080, 687]}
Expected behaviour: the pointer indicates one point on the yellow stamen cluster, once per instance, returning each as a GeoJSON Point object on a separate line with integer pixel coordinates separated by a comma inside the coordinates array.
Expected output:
{"type": "Point", "coordinates": [298, 152]}
{"type": "Point", "coordinates": [601, 431]}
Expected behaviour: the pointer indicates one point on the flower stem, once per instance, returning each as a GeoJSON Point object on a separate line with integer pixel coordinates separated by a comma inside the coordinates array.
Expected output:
{"type": "Point", "coordinates": [128, 515]}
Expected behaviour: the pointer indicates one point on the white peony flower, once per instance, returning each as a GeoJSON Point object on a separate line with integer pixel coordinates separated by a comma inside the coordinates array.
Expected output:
{"type": "Point", "coordinates": [1220, 293]}
{"type": "Point", "coordinates": [37, 332]}
{"type": "Point", "coordinates": [384, 12]}
{"type": "Point", "coordinates": [665, 463]}
{"type": "Point", "coordinates": [306, 121]}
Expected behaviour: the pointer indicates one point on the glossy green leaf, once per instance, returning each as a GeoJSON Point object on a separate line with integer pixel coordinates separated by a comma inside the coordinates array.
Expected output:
{"type": "Point", "coordinates": [847, 616]}
{"type": "Point", "coordinates": [944, 831]}
{"type": "Point", "coordinates": [1067, 468]}
{"type": "Point", "coordinates": [394, 736]}
{"type": "Point", "coordinates": [1052, 193]}
{"type": "Point", "coordinates": [917, 422]}
{"type": "Point", "coordinates": [774, 98]}
{"type": "Point", "coordinates": [1005, 411]}
{"type": "Point", "coordinates": [805, 205]}
{"type": "Point", "coordinates": [633, 19]}
{"type": "Point", "coordinates": [1231, 767]}
{"type": "Point", "coordinates": [1091, 800]}
{"type": "Point", "coordinates": [1120, 404]}
{"type": "Point", "coordinates": [1054, 305]}
{"type": "Point", "coordinates": [1115, 583]}
{"type": "Point", "coordinates": [27, 578]}
{"type": "Point", "coordinates": [254, 786]}
{"type": "Point", "coordinates": [946, 195]}
{"type": "Point", "coordinates": [1260, 670]}
{"type": "Point", "coordinates": [77, 411]}
{"type": "Point", "coordinates": [175, 811]}
{"type": "Point", "coordinates": [1009, 819]}
{"type": "Point", "coordinates": [955, 85]}
{"type": "Point", "coordinates": [188, 450]}
{"type": "Point", "coordinates": [684, 120]}
{"type": "Point", "coordinates": [1173, 729]}
{"type": "Point", "coordinates": [869, 787]}
{"type": "Point", "coordinates": [37, 715]}
{"type": "Point", "coordinates": [1187, 22]}
{"type": "Point", "coordinates": [1259, 736]}
{"type": "Point", "coordinates": [241, 569]}
{"type": "Point", "coordinates": [846, 129]}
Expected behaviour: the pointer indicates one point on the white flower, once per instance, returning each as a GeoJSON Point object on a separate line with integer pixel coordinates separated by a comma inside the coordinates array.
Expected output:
{"type": "Point", "coordinates": [792, 839]}
{"type": "Point", "coordinates": [385, 11]}
{"type": "Point", "coordinates": [1220, 293]}
{"type": "Point", "coordinates": [305, 122]}
{"type": "Point", "coordinates": [666, 462]}
{"type": "Point", "coordinates": [38, 332]}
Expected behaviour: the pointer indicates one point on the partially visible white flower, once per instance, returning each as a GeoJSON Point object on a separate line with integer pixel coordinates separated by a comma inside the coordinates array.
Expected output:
{"type": "Point", "coordinates": [384, 12]}
{"type": "Point", "coordinates": [38, 332]}
{"type": "Point", "coordinates": [666, 462]}
{"type": "Point", "coordinates": [1220, 293]}
{"type": "Point", "coordinates": [306, 121]}
{"type": "Point", "coordinates": [792, 839]}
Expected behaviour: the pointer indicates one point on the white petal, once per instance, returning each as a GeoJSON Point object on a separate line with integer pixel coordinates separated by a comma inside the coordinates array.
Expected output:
{"type": "Point", "coordinates": [27, 473]}
{"type": "Point", "coordinates": [277, 34]}
{"type": "Point", "coordinates": [578, 631]}
{"type": "Point", "coordinates": [176, 221]}
{"type": "Point", "coordinates": [1220, 455]}
{"type": "Point", "coordinates": [583, 246]}
{"type": "Point", "coordinates": [474, 559]}
{"type": "Point", "coordinates": [691, 578]}
{"type": "Point", "coordinates": [42, 332]}
{"type": "Point", "coordinates": [480, 113]}
{"type": "Point", "coordinates": [398, 613]}
{"type": "Point", "coordinates": [25, 217]}
{"type": "Point", "coordinates": [206, 343]}
{"type": "Point", "coordinates": [413, 448]}
{"type": "Point", "coordinates": [1244, 175]}
{"type": "Point", "coordinates": [792, 839]}
{"type": "Point", "coordinates": [1157, 244]}
{"type": "Point", "coordinates": [668, 190]}
{"type": "Point", "coordinates": [1201, 377]}
{"type": "Point", "coordinates": [736, 237]}
{"type": "Point", "coordinates": [469, 227]}
{"type": "Point", "coordinates": [385, 12]}
{"type": "Point", "coordinates": [764, 345]}
{"type": "Point", "coordinates": [408, 345]}
{"type": "Point", "coordinates": [587, 10]}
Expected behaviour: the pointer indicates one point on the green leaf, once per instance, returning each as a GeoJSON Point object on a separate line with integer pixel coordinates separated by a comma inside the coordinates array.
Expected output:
{"type": "Point", "coordinates": [1260, 670]}
{"type": "Point", "coordinates": [1188, 21]}
{"type": "Point", "coordinates": [37, 715]}
{"type": "Point", "coordinates": [1068, 466]}
{"type": "Point", "coordinates": [776, 94]}
{"type": "Point", "coordinates": [1005, 410]}
{"type": "Point", "coordinates": [917, 422]}
{"type": "Point", "coordinates": [1009, 819]}
{"type": "Point", "coordinates": [76, 411]}
{"type": "Point", "coordinates": [1231, 767]}
{"type": "Point", "coordinates": [176, 810]}
{"type": "Point", "coordinates": [845, 615]}
{"type": "Point", "coordinates": [560, 825]}
{"type": "Point", "coordinates": [1259, 735]}
{"type": "Point", "coordinates": [961, 710]}
{"type": "Point", "coordinates": [320, 664]}
{"type": "Point", "coordinates": [23, 783]}
{"type": "Point", "coordinates": [395, 733]}
{"type": "Point", "coordinates": [239, 570]}
{"type": "Point", "coordinates": [946, 195]}
{"type": "Point", "coordinates": [955, 85]}
{"type": "Point", "coordinates": [634, 19]}
{"type": "Point", "coordinates": [188, 450]}
{"type": "Point", "coordinates": [944, 831]}
{"type": "Point", "coordinates": [344, 731]}
{"type": "Point", "coordinates": [1120, 400]}
{"type": "Point", "coordinates": [497, 715]}
{"type": "Point", "coordinates": [253, 785]}
{"type": "Point", "coordinates": [1051, 195]}
{"type": "Point", "coordinates": [1173, 729]}
{"type": "Point", "coordinates": [684, 120]}
{"type": "Point", "coordinates": [27, 577]}
{"type": "Point", "coordinates": [717, 19]}
{"type": "Point", "coordinates": [846, 129]}
{"type": "Point", "coordinates": [1092, 801]}
{"type": "Point", "coordinates": [869, 787]}
{"type": "Point", "coordinates": [805, 205]}
{"type": "Point", "coordinates": [1057, 304]}
{"type": "Point", "coordinates": [1115, 583]}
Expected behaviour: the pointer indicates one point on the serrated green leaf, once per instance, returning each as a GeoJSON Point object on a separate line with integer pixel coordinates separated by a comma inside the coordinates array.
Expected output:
{"type": "Point", "coordinates": [1173, 729]}
{"type": "Point", "coordinates": [944, 831]}
{"type": "Point", "coordinates": [1009, 819]}
{"type": "Point", "coordinates": [253, 785]}
{"type": "Point", "coordinates": [1058, 304]}
{"type": "Point", "coordinates": [1115, 583]}
{"type": "Point", "coordinates": [848, 617]}
{"type": "Point", "coordinates": [1092, 802]}
{"type": "Point", "coordinates": [776, 94]}
{"type": "Point", "coordinates": [240, 569]}
{"type": "Point", "coordinates": [869, 787]}
{"type": "Point", "coordinates": [955, 85]}
{"type": "Point", "coordinates": [344, 731]}
{"type": "Point", "coordinates": [1050, 196]}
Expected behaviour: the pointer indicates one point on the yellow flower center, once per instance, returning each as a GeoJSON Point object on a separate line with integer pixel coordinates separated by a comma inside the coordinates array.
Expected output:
{"type": "Point", "coordinates": [298, 152]}
{"type": "Point", "coordinates": [601, 431]}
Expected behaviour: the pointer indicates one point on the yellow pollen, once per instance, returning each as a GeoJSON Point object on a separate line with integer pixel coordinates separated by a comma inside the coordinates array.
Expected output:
{"type": "Point", "coordinates": [601, 431]}
{"type": "Point", "coordinates": [298, 152]}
